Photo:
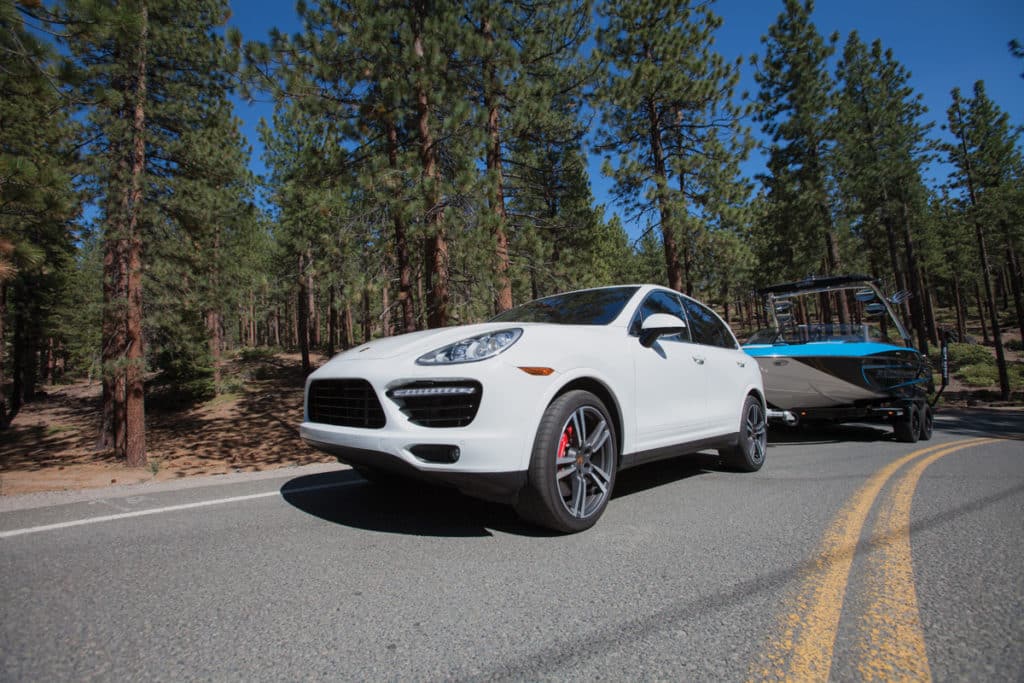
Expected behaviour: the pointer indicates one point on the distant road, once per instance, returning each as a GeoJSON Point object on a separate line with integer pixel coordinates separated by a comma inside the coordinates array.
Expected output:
{"type": "Point", "coordinates": [849, 555]}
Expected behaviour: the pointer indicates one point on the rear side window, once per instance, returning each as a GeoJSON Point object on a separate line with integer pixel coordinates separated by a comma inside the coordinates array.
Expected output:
{"type": "Point", "coordinates": [660, 301]}
{"type": "Point", "coordinates": [706, 327]}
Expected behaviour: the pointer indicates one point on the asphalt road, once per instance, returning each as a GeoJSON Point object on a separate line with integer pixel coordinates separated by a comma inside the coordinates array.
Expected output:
{"type": "Point", "coordinates": [848, 556]}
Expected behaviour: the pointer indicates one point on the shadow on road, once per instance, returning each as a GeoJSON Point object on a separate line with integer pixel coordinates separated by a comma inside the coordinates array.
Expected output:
{"type": "Point", "coordinates": [817, 433]}
{"type": "Point", "coordinates": [981, 422]}
{"type": "Point", "coordinates": [422, 509]}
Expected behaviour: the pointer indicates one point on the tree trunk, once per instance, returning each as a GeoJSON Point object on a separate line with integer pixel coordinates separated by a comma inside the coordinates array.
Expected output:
{"type": "Point", "coordinates": [215, 342]}
{"type": "Point", "coordinates": [961, 310]}
{"type": "Point", "coordinates": [135, 414]}
{"type": "Point", "coordinates": [437, 243]}
{"type": "Point", "coordinates": [4, 419]}
{"type": "Point", "coordinates": [347, 324]}
{"type": "Point", "coordinates": [981, 313]}
{"type": "Point", "coordinates": [997, 337]}
{"type": "Point", "coordinates": [835, 265]}
{"type": "Point", "coordinates": [302, 317]}
{"type": "Point", "coordinates": [385, 316]}
{"type": "Point", "coordinates": [123, 425]}
{"type": "Point", "coordinates": [1015, 284]}
{"type": "Point", "coordinates": [916, 292]}
{"type": "Point", "coordinates": [367, 321]}
{"type": "Point", "coordinates": [401, 239]}
{"type": "Point", "coordinates": [332, 321]}
{"type": "Point", "coordinates": [314, 317]}
{"type": "Point", "coordinates": [668, 237]}
{"type": "Point", "coordinates": [503, 295]}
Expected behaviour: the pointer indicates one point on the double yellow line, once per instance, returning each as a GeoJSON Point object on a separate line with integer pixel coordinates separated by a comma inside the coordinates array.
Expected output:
{"type": "Point", "coordinates": [892, 641]}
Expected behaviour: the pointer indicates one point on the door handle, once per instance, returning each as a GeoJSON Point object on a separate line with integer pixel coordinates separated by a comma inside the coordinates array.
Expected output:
{"type": "Point", "coordinates": [699, 360]}
{"type": "Point", "coordinates": [741, 364]}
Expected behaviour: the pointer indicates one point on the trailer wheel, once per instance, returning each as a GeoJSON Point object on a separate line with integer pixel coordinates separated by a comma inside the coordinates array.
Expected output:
{"type": "Point", "coordinates": [927, 423]}
{"type": "Point", "coordinates": [908, 428]}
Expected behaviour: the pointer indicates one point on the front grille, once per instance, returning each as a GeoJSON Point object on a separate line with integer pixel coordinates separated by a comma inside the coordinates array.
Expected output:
{"type": "Point", "coordinates": [346, 403]}
{"type": "Point", "coordinates": [438, 404]}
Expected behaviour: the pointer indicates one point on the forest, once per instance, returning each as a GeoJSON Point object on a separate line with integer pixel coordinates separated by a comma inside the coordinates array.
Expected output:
{"type": "Point", "coordinates": [427, 166]}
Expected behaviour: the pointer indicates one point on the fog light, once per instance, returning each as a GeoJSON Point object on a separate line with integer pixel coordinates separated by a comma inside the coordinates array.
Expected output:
{"type": "Point", "coordinates": [440, 453]}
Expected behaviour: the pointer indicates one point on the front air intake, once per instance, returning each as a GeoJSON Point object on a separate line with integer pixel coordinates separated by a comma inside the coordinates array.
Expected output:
{"type": "Point", "coordinates": [345, 403]}
{"type": "Point", "coordinates": [438, 404]}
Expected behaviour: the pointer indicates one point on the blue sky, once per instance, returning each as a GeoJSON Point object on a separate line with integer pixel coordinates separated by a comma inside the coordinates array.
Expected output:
{"type": "Point", "coordinates": [944, 44]}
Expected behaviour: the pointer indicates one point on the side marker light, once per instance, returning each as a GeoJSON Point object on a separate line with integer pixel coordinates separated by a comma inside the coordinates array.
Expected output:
{"type": "Point", "coordinates": [539, 372]}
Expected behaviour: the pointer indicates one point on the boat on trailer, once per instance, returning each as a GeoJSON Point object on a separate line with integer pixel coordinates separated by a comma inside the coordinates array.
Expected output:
{"type": "Point", "coordinates": [817, 368]}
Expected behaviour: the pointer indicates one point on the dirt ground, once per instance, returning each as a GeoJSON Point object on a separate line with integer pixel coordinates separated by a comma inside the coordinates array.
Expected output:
{"type": "Point", "coordinates": [51, 444]}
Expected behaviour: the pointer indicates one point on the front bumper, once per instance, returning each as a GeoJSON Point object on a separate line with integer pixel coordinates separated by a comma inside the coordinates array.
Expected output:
{"type": "Point", "coordinates": [493, 450]}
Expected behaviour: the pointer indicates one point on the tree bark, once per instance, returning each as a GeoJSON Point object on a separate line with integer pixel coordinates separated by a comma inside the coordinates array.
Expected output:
{"type": "Point", "coordinates": [1015, 283]}
{"type": "Point", "coordinates": [981, 313]}
{"type": "Point", "coordinates": [913, 280]}
{"type": "Point", "coordinates": [313, 315]}
{"type": "Point", "coordinates": [503, 295]}
{"type": "Point", "coordinates": [401, 238]}
{"type": "Point", "coordinates": [961, 322]}
{"type": "Point", "coordinates": [668, 238]}
{"type": "Point", "coordinates": [367, 321]}
{"type": "Point", "coordinates": [437, 243]}
{"type": "Point", "coordinates": [4, 419]}
{"type": "Point", "coordinates": [302, 317]}
{"type": "Point", "coordinates": [332, 321]}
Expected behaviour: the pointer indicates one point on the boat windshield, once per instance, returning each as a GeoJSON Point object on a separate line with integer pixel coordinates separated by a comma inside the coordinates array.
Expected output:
{"type": "Point", "coordinates": [813, 317]}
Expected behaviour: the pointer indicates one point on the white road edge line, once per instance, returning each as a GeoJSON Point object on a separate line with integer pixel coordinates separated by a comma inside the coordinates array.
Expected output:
{"type": "Point", "coordinates": [169, 508]}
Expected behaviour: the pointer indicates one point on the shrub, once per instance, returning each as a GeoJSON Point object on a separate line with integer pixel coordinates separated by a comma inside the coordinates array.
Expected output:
{"type": "Point", "coordinates": [979, 374]}
{"type": "Point", "coordinates": [963, 355]}
{"type": "Point", "coordinates": [250, 353]}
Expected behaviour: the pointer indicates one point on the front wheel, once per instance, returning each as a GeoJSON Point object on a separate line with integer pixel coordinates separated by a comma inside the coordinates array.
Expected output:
{"type": "Point", "coordinates": [752, 442]}
{"type": "Point", "coordinates": [572, 466]}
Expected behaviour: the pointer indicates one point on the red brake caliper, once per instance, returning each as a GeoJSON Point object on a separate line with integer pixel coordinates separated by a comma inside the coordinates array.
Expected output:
{"type": "Point", "coordinates": [563, 443]}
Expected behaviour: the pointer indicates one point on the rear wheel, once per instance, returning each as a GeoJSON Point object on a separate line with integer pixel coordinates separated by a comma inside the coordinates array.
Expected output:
{"type": "Point", "coordinates": [908, 428]}
{"type": "Point", "coordinates": [752, 444]}
{"type": "Point", "coordinates": [572, 467]}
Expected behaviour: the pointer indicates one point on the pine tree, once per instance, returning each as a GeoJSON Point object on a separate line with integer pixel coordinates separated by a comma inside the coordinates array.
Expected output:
{"type": "Point", "coordinates": [795, 105]}
{"type": "Point", "coordinates": [667, 115]}
{"type": "Point", "coordinates": [146, 69]}
{"type": "Point", "coordinates": [881, 145]}
{"type": "Point", "coordinates": [37, 200]}
{"type": "Point", "coordinates": [986, 160]}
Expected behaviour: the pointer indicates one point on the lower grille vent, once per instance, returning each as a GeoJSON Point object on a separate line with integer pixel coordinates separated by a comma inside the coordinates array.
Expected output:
{"type": "Point", "coordinates": [346, 403]}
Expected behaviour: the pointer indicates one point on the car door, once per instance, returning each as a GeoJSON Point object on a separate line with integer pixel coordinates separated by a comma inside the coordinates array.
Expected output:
{"type": "Point", "coordinates": [670, 382]}
{"type": "Point", "coordinates": [724, 364]}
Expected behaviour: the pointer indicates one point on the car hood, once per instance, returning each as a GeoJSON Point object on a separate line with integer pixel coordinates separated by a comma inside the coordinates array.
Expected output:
{"type": "Point", "coordinates": [416, 344]}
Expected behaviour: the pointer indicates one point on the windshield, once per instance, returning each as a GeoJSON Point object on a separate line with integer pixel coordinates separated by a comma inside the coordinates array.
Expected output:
{"type": "Point", "coordinates": [586, 307]}
{"type": "Point", "coordinates": [813, 317]}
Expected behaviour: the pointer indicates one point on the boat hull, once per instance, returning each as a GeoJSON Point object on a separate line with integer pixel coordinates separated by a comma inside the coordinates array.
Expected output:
{"type": "Point", "coordinates": [835, 375]}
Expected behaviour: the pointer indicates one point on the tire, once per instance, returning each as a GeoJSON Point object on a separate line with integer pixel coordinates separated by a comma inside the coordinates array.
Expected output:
{"type": "Point", "coordinates": [908, 429]}
{"type": "Point", "coordinates": [927, 424]}
{"type": "Point", "coordinates": [752, 443]}
{"type": "Point", "coordinates": [572, 466]}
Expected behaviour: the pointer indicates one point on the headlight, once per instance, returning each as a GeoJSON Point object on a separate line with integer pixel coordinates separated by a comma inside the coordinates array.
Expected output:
{"type": "Point", "coordinates": [470, 350]}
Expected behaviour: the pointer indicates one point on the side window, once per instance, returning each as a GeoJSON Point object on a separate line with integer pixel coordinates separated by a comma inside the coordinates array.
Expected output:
{"type": "Point", "coordinates": [659, 302]}
{"type": "Point", "coordinates": [706, 327]}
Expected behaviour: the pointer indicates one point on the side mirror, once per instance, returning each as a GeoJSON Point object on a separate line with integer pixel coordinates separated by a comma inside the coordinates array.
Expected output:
{"type": "Point", "coordinates": [659, 325]}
